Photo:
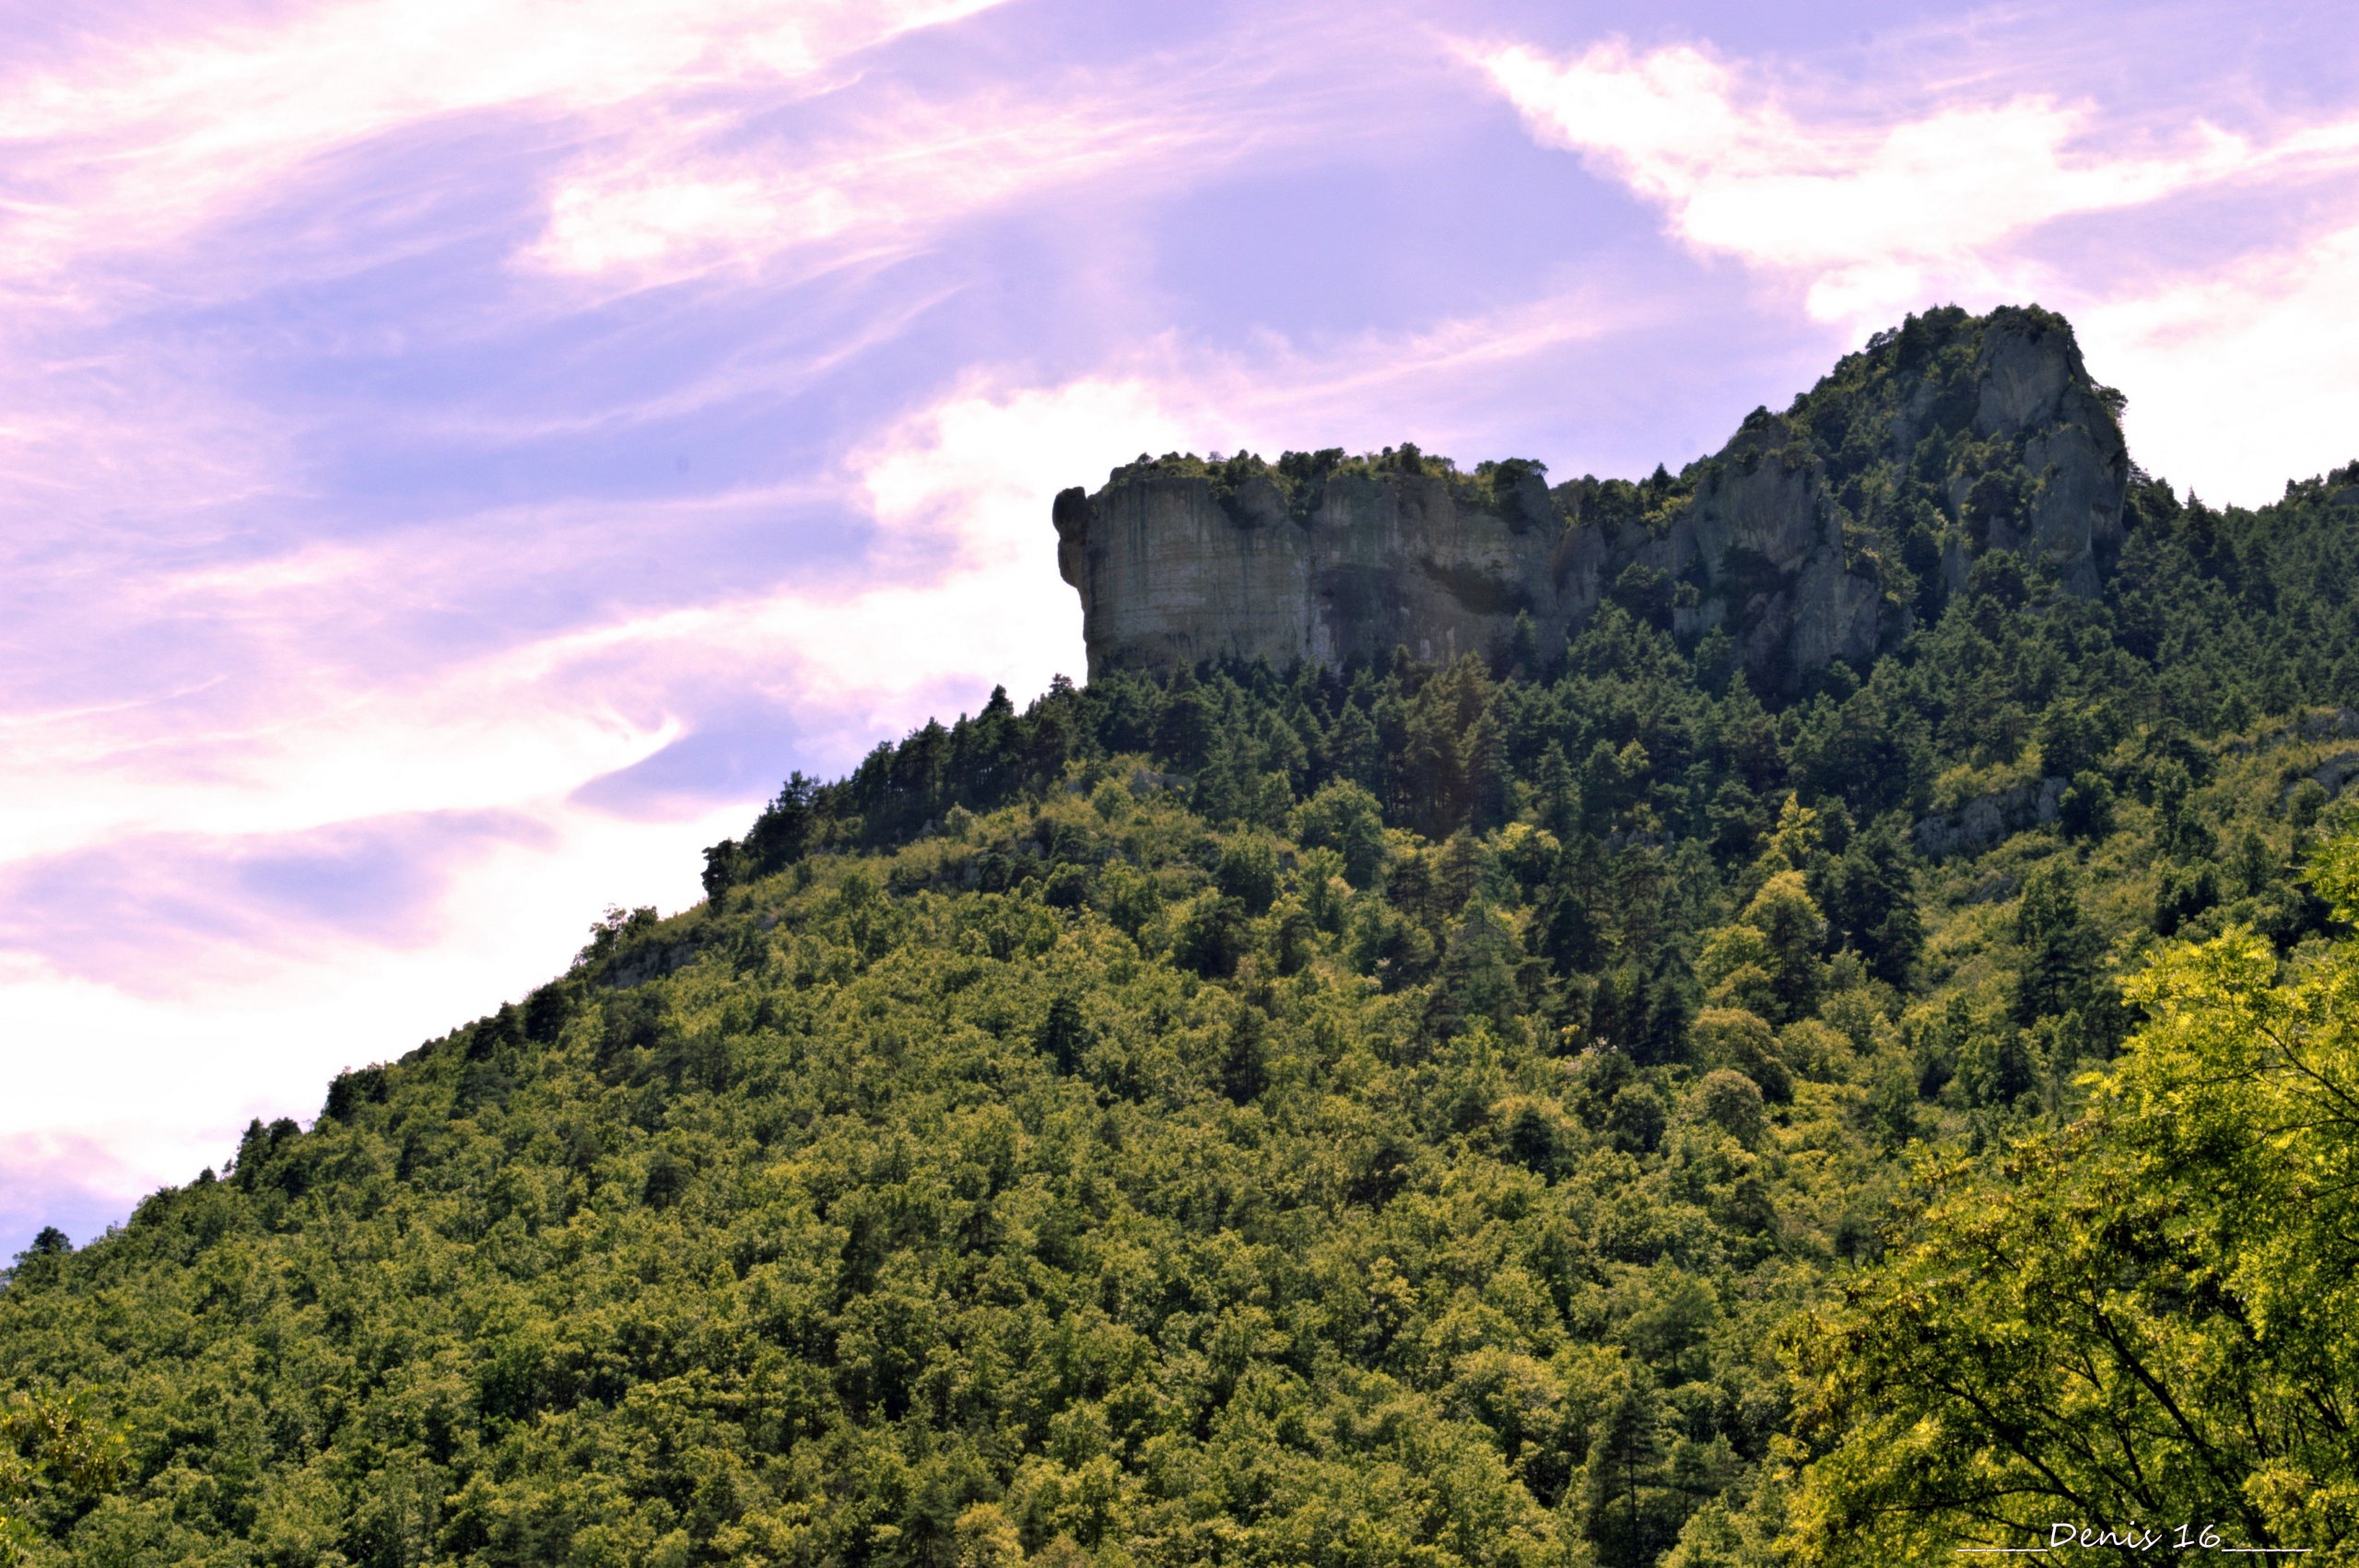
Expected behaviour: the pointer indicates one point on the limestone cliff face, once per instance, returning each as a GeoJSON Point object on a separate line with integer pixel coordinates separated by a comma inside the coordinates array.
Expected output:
{"type": "Point", "coordinates": [1790, 538]}
{"type": "Point", "coordinates": [1170, 573]}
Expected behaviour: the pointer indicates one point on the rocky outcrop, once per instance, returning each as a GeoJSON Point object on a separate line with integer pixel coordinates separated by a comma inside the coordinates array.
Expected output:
{"type": "Point", "coordinates": [1180, 561]}
{"type": "Point", "coordinates": [1171, 570]}
{"type": "Point", "coordinates": [2334, 772]}
{"type": "Point", "coordinates": [1171, 573]}
{"type": "Point", "coordinates": [1983, 822]}
{"type": "Point", "coordinates": [2329, 724]}
{"type": "Point", "coordinates": [2035, 394]}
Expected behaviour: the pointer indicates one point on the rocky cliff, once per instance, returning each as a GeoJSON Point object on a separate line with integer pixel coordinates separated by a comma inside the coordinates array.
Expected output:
{"type": "Point", "coordinates": [1820, 534]}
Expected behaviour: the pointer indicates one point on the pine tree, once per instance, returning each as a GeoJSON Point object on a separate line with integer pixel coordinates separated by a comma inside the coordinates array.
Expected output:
{"type": "Point", "coordinates": [2060, 948]}
{"type": "Point", "coordinates": [1622, 1510]}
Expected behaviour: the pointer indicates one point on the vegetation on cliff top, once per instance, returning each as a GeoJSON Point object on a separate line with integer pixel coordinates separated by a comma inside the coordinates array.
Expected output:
{"type": "Point", "coordinates": [1908, 480]}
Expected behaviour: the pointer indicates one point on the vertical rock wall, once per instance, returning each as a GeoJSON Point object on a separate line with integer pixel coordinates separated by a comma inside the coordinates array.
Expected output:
{"type": "Point", "coordinates": [1176, 565]}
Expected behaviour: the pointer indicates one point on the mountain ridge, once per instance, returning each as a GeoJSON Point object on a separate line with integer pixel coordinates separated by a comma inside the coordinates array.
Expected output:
{"type": "Point", "coordinates": [1806, 537]}
{"type": "Point", "coordinates": [1512, 1111]}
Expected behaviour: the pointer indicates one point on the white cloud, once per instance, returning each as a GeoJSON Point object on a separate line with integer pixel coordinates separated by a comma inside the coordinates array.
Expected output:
{"type": "Point", "coordinates": [126, 147]}
{"type": "Point", "coordinates": [962, 490]}
{"type": "Point", "coordinates": [626, 220]}
{"type": "Point", "coordinates": [2242, 378]}
{"type": "Point", "coordinates": [963, 590]}
{"type": "Point", "coordinates": [331, 747]}
{"type": "Point", "coordinates": [2239, 367]}
{"type": "Point", "coordinates": [161, 1078]}
{"type": "Point", "coordinates": [1873, 218]}
{"type": "Point", "coordinates": [961, 581]}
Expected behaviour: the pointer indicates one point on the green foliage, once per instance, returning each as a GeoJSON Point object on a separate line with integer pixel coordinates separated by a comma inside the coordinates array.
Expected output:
{"type": "Point", "coordinates": [2086, 809]}
{"type": "Point", "coordinates": [1381, 1115]}
{"type": "Point", "coordinates": [1345, 818]}
{"type": "Point", "coordinates": [895, 1219]}
{"type": "Point", "coordinates": [57, 1458]}
{"type": "Point", "coordinates": [2146, 1315]}
{"type": "Point", "coordinates": [2060, 948]}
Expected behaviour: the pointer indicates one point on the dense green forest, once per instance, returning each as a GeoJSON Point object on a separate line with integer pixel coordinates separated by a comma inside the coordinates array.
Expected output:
{"type": "Point", "coordinates": [1560, 1108]}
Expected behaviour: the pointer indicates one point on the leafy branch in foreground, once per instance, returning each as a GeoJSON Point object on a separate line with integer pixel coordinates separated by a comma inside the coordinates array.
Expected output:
{"type": "Point", "coordinates": [2149, 1314]}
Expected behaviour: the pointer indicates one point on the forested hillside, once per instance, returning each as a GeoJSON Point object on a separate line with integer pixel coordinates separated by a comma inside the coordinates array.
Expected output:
{"type": "Point", "coordinates": [1563, 1108]}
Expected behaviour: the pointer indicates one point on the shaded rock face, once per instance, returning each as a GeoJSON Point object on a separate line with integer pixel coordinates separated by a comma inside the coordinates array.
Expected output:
{"type": "Point", "coordinates": [1770, 547]}
{"type": "Point", "coordinates": [1983, 822]}
{"type": "Point", "coordinates": [1177, 566]}
{"type": "Point", "coordinates": [2035, 392]}
{"type": "Point", "coordinates": [1169, 575]}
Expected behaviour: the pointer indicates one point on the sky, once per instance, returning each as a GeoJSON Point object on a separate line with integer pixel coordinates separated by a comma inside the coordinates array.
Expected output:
{"type": "Point", "coordinates": [457, 456]}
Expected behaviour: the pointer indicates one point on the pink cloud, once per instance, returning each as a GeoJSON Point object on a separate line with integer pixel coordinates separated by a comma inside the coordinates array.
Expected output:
{"type": "Point", "coordinates": [677, 196]}
{"type": "Point", "coordinates": [144, 914]}
{"type": "Point", "coordinates": [1869, 215]}
{"type": "Point", "coordinates": [119, 146]}
{"type": "Point", "coordinates": [2241, 376]}
{"type": "Point", "coordinates": [672, 207]}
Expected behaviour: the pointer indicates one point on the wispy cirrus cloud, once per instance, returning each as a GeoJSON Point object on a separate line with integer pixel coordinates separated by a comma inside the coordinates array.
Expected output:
{"type": "Point", "coordinates": [144, 912]}
{"type": "Point", "coordinates": [155, 327]}
{"type": "Point", "coordinates": [723, 189]}
{"type": "Point", "coordinates": [118, 147]}
{"type": "Point", "coordinates": [676, 205]}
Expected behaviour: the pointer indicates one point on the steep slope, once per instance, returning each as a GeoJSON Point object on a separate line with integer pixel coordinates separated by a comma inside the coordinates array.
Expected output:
{"type": "Point", "coordinates": [1406, 1112]}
